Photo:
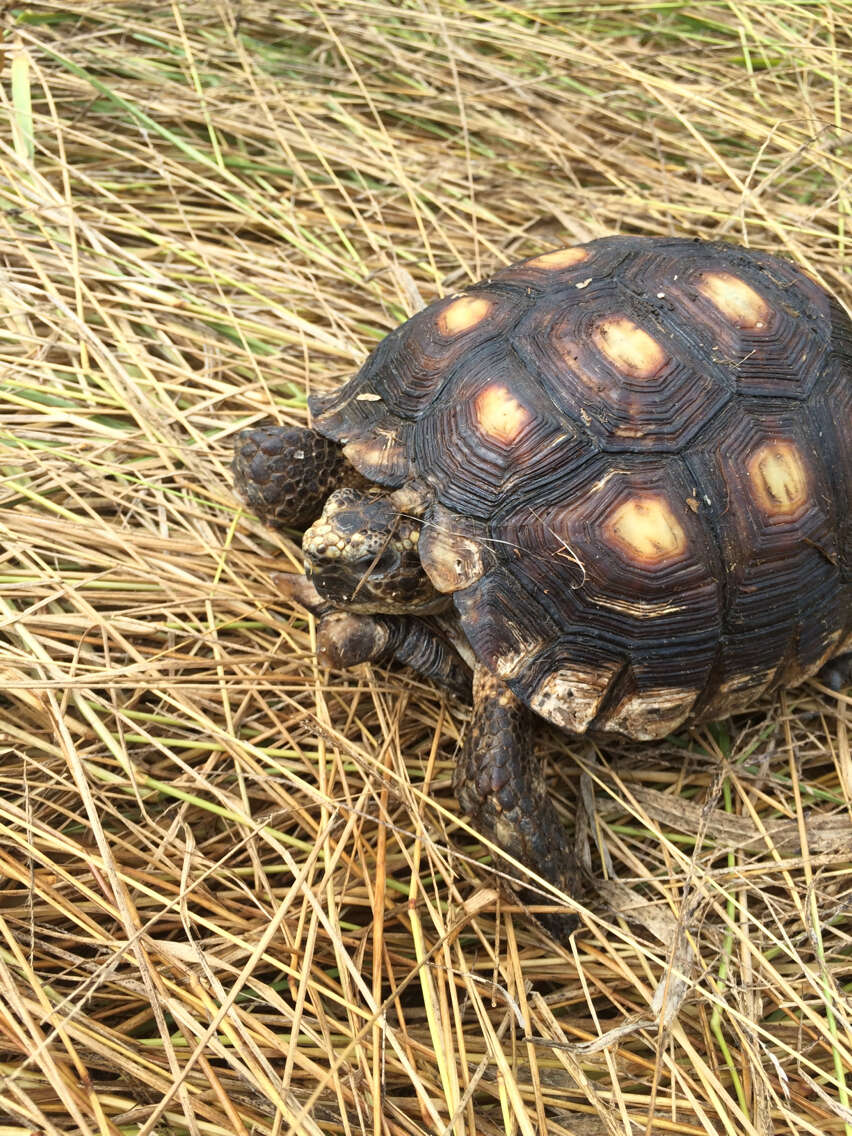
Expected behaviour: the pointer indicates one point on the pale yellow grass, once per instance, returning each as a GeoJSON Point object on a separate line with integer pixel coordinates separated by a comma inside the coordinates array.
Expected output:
{"type": "Point", "coordinates": [236, 895]}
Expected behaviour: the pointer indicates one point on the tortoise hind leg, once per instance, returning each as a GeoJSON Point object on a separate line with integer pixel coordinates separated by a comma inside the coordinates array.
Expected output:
{"type": "Point", "coordinates": [285, 473]}
{"type": "Point", "coordinates": [501, 787]}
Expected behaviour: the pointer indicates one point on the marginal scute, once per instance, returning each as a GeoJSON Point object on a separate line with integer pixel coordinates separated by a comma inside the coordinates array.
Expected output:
{"type": "Point", "coordinates": [651, 713]}
{"type": "Point", "coordinates": [797, 670]}
{"type": "Point", "coordinates": [452, 549]}
{"type": "Point", "coordinates": [629, 348]}
{"type": "Point", "coordinates": [778, 477]}
{"type": "Point", "coordinates": [463, 314]}
{"type": "Point", "coordinates": [499, 414]}
{"type": "Point", "coordinates": [412, 499]}
{"type": "Point", "coordinates": [736, 300]}
{"type": "Point", "coordinates": [645, 529]}
{"type": "Point", "coordinates": [571, 696]}
{"type": "Point", "coordinates": [736, 694]}
{"type": "Point", "coordinates": [506, 626]}
{"type": "Point", "coordinates": [381, 457]}
{"type": "Point", "coordinates": [560, 258]}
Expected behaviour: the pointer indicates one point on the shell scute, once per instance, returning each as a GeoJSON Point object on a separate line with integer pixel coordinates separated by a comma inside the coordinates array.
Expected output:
{"type": "Point", "coordinates": [780, 533]}
{"type": "Point", "coordinates": [411, 366]}
{"type": "Point", "coordinates": [620, 367]}
{"type": "Point", "coordinates": [619, 550]}
{"type": "Point", "coordinates": [753, 316]}
{"type": "Point", "coordinates": [487, 436]}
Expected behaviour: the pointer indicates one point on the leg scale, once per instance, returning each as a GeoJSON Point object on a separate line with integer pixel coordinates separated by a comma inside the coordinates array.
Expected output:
{"type": "Point", "coordinates": [499, 784]}
{"type": "Point", "coordinates": [285, 473]}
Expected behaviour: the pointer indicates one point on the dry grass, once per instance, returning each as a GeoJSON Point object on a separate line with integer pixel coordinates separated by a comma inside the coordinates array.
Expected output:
{"type": "Point", "coordinates": [236, 896]}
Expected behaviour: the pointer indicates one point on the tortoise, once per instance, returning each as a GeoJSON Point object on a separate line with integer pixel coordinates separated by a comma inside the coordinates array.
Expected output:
{"type": "Point", "coordinates": [612, 480]}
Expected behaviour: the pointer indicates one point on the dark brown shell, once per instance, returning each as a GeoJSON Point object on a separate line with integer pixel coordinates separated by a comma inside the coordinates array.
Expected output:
{"type": "Point", "coordinates": [641, 457]}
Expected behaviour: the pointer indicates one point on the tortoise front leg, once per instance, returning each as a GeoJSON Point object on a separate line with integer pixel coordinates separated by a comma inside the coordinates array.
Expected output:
{"type": "Point", "coordinates": [285, 473]}
{"type": "Point", "coordinates": [500, 785]}
{"type": "Point", "coordinates": [345, 639]}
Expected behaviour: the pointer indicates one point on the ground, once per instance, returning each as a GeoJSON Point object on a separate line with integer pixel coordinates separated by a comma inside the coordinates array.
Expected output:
{"type": "Point", "coordinates": [237, 893]}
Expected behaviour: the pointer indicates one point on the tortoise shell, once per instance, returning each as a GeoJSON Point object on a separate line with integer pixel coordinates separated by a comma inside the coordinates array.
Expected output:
{"type": "Point", "coordinates": [638, 456]}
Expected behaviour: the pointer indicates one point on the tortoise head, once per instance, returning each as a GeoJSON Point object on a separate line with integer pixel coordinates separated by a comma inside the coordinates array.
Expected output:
{"type": "Point", "coordinates": [362, 555]}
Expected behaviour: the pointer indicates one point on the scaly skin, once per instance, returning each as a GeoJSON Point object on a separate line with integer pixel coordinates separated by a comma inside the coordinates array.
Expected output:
{"type": "Point", "coordinates": [501, 787]}
{"type": "Point", "coordinates": [361, 554]}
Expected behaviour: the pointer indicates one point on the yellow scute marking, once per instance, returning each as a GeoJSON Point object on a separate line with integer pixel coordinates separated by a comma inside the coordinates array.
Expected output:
{"type": "Point", "coordinates": [629, 349]}
{"type": "Point", "coordinates": [736, 300]}
{"type": "Point", "coordinates": [463, 314]}
{"type": "Point", "coordinates": [499, 414]}
{"type": "Point", "coordinates": [560, 258]}
{"type": "Point", "coordinates": [778, 478]}
{"type": "Point", "coordinates": [645, 529]}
